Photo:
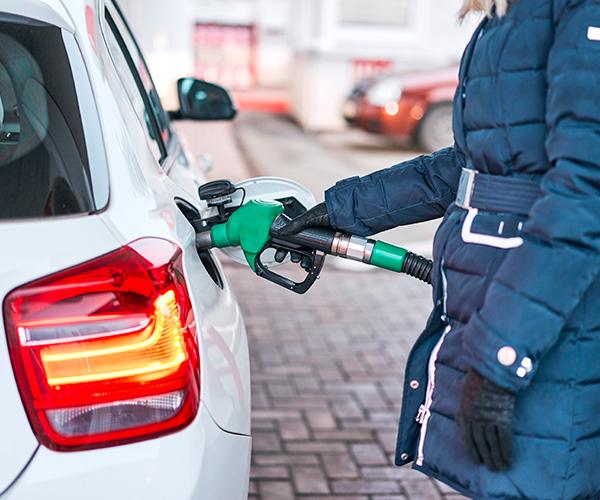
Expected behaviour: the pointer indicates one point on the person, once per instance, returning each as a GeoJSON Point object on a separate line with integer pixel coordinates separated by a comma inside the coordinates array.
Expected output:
{"type": "Point", "coordinates": [502, 391]}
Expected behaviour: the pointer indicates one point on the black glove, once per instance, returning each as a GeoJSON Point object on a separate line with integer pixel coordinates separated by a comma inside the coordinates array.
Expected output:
{"type": "Point", "coordinates": [485, 420]}
{"type": "Point", "coordinates": [295, 257]}
{"type": "Point", "coordinates": [316, 216]}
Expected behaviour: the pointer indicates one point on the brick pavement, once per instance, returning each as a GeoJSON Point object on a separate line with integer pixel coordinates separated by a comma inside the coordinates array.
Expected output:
{"type": "Point", "coordinates": [326, 379]}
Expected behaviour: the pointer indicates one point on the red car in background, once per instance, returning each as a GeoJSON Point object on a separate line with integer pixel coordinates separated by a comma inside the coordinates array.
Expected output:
{"type": "Point", "coordinates": [414, 107]}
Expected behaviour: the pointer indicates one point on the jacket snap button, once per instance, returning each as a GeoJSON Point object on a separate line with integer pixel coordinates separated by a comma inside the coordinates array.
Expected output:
{"type": "Point", "coordinates": [404, 456]}
{"type": "Point", "coordinates": [414, 384]}
{"type": "Point", "coordinates": [507, 356]}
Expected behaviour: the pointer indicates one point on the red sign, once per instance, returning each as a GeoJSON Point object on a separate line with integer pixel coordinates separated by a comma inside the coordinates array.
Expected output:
{"type": "Point", "coordinates": [226, 54]}
{"type": "Point", "coordinates": [367, 68]}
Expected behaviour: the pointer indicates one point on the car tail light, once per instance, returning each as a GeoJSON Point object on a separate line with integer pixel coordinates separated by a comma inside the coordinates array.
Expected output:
{"type": "Point", "coordinates": [105, 353]}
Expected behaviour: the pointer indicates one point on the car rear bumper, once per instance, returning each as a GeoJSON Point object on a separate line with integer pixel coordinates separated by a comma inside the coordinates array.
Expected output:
{"type": "Point", "coordinates": [201, 461]}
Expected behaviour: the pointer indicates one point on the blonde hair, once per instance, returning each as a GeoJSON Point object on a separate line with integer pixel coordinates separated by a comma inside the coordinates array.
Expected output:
{"type": "Point", "coordinates": [485, 6]}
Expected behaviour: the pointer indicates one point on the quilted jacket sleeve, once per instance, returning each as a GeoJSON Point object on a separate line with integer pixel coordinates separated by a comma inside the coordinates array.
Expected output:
{"type": "Point", "coordinates": [414, 191]}
{"type": "Point", "coordinates": [540, 283]}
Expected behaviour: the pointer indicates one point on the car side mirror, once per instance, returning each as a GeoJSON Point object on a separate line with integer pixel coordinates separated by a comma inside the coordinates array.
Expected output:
{"type": "Point", "coordinates": [200, 100]}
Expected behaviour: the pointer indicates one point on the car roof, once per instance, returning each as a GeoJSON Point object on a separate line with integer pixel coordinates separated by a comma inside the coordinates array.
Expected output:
{"type": "Point", "coordinates": [62, 13]}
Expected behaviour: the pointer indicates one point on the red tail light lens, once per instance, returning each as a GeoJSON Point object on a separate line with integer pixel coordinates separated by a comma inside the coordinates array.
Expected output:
{"type": "Point", "coordinates": [105, 353]}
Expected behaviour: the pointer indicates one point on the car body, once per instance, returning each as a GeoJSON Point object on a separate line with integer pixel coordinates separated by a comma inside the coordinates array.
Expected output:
{"type": "Point", "coordinates": [94, 180]}
{"type": "Point", "coordinates": [414, 107]}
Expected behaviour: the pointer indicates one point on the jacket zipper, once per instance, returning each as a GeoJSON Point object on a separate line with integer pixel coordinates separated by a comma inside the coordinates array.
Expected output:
{"type": "Point", "coordinates": [424, 412]}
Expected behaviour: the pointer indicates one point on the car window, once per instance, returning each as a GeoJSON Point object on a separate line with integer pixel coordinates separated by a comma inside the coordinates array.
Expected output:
{"type": "Point", "coordinates": [44, 158]}
{"type": "Point", "coordinates": [142, 67]}
{"type": "Point", "coordinates": [133, 81]}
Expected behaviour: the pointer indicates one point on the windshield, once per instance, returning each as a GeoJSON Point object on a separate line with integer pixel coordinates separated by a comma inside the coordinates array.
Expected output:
{"type": "Point", "coordinates": [44, 164]}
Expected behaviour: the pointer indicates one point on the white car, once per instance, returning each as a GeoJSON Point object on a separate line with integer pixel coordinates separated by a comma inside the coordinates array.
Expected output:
{"type": "Point", "coordinates": [124, 369]}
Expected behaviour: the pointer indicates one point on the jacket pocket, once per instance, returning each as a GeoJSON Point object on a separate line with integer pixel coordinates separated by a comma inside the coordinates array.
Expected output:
{"type": "Point", "coordinates": [492, 229]}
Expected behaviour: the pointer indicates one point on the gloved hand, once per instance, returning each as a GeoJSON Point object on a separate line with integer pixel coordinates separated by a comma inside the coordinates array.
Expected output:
{"type": "Point", "coordinates": [485, 420]}
{"type": "Point", "coordinates": [316, 216]}
{"type": "Point", "coordinates": [295, 257]}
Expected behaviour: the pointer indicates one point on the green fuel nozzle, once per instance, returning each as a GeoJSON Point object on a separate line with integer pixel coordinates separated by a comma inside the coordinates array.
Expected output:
{"type": "Point", "coordinates": [248, 227]}
{"type": "Point", "coordinates": [255, 228]}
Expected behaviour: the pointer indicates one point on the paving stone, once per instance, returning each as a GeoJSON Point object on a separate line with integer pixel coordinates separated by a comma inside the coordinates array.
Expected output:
{"type": "Point", "coordinates": [320, 419]}
{"type": "Point", "coordinates": [387, 439]}
{"type": "Point", "coordinates": [369, 454]}
{"type": "Point", "coordinates": [421, 489]}
{"type": "Point", "coordinates": [389, 497]}
{"type": "Point", "coordinates": [252, 489]}
{"type": "Point", "coordinates": [339, 466]}
{"type": "Point", "coordinates": [260, 401]}
{"type": "Point", "coordinates": [365, 486]}
{"type": "Point", "coordinates": [351, 364]}
{"type": "Point", "coordinates": [347, 409]}
{"type": "Point", "coordinates": [293, 430]}
{"type": "Point", "coordinates": [286, 369]}
{"type": "Point", "coordinates": [265, 441]}
{"type": "Point", "coordinates": [329, 374]}
{"type": "Point", "coordinates": [395, 473]}
{"type": "Point", "coordinates": [275, 490]}
{"type": "Point", "coordinates": [303, 401]}
{"type": "Point", "coordinates": [280, 390]}
{"type": "Point", "coordinates": [367, 424]}
{"type": "Point", "coordinates": [263, 425]}
{"type": "Point", "coordinates": [336, 497]}
{"type": "Point", "coordinates": [309, 479]}
{"type": "Point", "coordinates": [340, 435]}
{"type": "Point", "coordinates": [314, 447]}
{"type": "Point", "coordinates": [275, 413]}
{"type": "Point", "coordinates": [307, 384]}
{"type": "Point", "coordinates": [268, 472]}
{"type": "Point", "coordinates": [272, 356]}
{"type": "Point", "coordinates": [383, 416]}
{"type": "Point", "coordinates": [285, 459]}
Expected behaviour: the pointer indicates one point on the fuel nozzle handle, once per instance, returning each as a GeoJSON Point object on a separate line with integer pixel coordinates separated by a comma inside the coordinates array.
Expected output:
{"type": "Point", "coordinates": [352, 247]}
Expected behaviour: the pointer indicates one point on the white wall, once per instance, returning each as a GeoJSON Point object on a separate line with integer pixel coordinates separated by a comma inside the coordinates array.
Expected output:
{"type": "Point", "coordinates": [274, 56]}
{"type": "Point", "coordinates": [164, 30]}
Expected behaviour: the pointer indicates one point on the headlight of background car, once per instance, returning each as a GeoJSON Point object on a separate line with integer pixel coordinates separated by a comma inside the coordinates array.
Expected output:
{"type": "Point", "coordinates": [350, 109]}
{"type": "Point", "coordinates": [385, 91]}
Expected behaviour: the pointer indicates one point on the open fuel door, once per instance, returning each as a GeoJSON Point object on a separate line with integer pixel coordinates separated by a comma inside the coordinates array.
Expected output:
{"type": "Point", "coordinates": [224, 197]}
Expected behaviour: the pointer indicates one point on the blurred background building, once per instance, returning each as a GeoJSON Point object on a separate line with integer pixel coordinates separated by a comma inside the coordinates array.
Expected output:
{"type": "Point", "coordinates": [302, 56]}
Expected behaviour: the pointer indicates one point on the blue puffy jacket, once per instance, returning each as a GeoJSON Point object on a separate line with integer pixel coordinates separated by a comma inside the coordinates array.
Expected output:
{"type": "Point", "coordinates": [528, 105]}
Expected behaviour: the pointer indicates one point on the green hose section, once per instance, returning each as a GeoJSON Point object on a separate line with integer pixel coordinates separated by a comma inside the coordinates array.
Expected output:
{"type": "Point", "coordinates": [248, 227]}
{"type": "Point", "coordinates": [388, 256]}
